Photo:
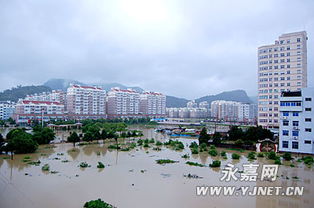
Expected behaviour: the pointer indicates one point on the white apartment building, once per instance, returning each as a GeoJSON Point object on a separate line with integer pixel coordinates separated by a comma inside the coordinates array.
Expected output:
{"type": "Point", "coordinates": [7, 109]}
{"type": "Point", "coordinates": [191, 104]}
{"type": "Point", "coordinates": [184, 113]}
{"type": "Point", "coordinates": [204, 104]}
{"type": "Point", "coordinates": [85, 102]}
{"type": "Point", "coordinates": [225, 110]}
{"type": "Point", "coordinates": [123, 103]}
{"type": "Point", "coordinates": [281, 67]}
{"type": "Point", "coordinates": [296, 131]}
{"type": "Point", "coordinates": [153, 104]}
{"type": "Point", "coordinates": [54, 96]}
{"type": "Point", "coordinates": [198, 112]}
{"type": "Point", "coordinates": [233, 111]}
{"type": "Point", "coordinates": [172, 112]}
{"type": "Point", "coordinates": [247, 112]}
{"type": "Point", "coordinates": [27, 110]}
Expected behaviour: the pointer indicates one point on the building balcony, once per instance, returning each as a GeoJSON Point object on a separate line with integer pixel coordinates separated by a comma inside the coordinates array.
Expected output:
{"type": "Point", "coordinates": [290, 108]}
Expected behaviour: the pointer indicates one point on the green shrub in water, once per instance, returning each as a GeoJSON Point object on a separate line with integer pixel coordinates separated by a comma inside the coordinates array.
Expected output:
{"type": "Point", "coordinates": [235, 156]}
{"type": "Point", "coordinates": [100, 165]}
{"type": "Point", "coordinates": [194, 164]}
{"type": "Point", "coordinates": [213, 152]}
{"type": "Point", "coordinates": [97, 204]}
{"type": "Point", "coordinates": [46, 167]}
{"type": "Point", "coordinates": [215, 163]}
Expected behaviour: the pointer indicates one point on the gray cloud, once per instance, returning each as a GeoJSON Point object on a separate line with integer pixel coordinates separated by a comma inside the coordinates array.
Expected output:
{"type": "Point", "coordinates": [182, 48]}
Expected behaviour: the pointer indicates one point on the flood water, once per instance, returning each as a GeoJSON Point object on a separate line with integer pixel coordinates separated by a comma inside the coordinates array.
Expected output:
{"type": "Point", "coordinates": [133, 179]}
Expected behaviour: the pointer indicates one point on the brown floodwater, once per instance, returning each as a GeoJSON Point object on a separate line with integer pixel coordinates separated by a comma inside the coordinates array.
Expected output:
{"type": "Point", "coordinates": [133, 179]}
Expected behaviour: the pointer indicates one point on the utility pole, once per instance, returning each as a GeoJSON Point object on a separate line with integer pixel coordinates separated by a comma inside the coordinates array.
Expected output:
{"type": "Point", "coordinates": [42, 118]}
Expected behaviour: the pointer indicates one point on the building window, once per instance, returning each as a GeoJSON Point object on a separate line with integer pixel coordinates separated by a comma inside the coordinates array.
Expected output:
{"type": "Point", "coordinates": [285, 123]}
{"type": "Point", "coordinates": [308, 109]}
{"type": "Point", "coordinates": [308, 119]}
{"type": "Point", "coordinates": [295, 145]}
{"type": "Point", "coordinates": [295, 114]}
{"type": "Point", "coordinates": [308, 130]}
{"type": "Point", "coordinates": [285, 144]}
{"type": "Point", "coordinates": [285, 132]}
{"type": "Point", "coordinates": [307, 142]}
{"type": "Point", "coordinates": [285, 113]}
{"type": "Point", "coordinates": [295, 133]}
{"type": "Point", "coordinates": [295, 123]}
{"type": "Point", "coordinates": [298, 40]}
{"type": "Point", "coordinates": [308, 99]}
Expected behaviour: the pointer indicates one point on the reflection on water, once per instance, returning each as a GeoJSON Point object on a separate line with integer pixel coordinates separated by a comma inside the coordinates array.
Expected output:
{"type": "Point", "coordinates": [132, 179]}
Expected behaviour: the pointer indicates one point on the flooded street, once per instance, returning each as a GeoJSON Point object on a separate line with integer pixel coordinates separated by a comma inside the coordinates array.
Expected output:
{"type": "Point", "coordinates": [133, 179]}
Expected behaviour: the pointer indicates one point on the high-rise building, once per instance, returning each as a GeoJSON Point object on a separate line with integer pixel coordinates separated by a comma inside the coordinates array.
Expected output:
{"type": "Point", "coordinates": [247, 112]}
{"type": "Point", "coordinates": [123, 103]}
{"type": "Point", "coordinates": [191, 104]}
{"type": "Point", "coordinates": [85, 102]}
{"type": "Point", "coordinates": [296, 132]}
{"type": "Point", "coordinates": [27, 110]}
{"type": "Point", "coordinates": [153, 104]}
{"type": "Point", "coordinates": [54, 96]}
{"type": "Point", "coordinates": [225, 110]}
{"type": "Point", "coordinates": [7, 109]}
{"type": "Point", "coordinates": [204, 104]}
{"type": "Point", "coordinates": [172, 112]}
{"type": "Point", "coordinates": [233, 111]}
{"type": "Point", "coordinates": [281, 67]}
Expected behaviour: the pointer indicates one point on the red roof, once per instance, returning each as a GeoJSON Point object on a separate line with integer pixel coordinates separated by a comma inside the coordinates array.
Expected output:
{"type": "Point", "coordinates": [152, 93]}
{"type": "Point", "coordinates": [87, 87]}
{"type": "Point", "coordinates": [40, 102]}
{"type": "Point", "coordinates": [121, 90]}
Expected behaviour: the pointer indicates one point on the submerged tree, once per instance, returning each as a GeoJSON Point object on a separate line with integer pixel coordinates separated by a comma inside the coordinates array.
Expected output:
{"type": "Point", "coordinates": [217, 138]}
{"type": "Point", "coordinates": [43, 135]}
{"type": "Point", "coordinates": [204, 137]}
{"type": "Point", "coordinates": [20, 142]}
{"type": "Point", "coordinates": [235, 133]}
{"type": "Point", "coordinates": [73, 138]}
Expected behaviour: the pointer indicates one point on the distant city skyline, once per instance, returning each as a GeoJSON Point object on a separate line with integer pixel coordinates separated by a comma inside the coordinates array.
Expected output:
{"type": "Point", "coordinates": [178, 48]}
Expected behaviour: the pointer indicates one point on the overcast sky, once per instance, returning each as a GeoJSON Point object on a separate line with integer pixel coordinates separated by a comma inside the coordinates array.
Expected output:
{"type": "Point", "coordinates": [183, 48]}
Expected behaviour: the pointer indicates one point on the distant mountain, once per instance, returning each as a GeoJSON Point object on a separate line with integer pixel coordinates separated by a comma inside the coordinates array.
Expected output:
{"type": "Point", "coordinates": [172, 101]}
{"type": "Point", "coordinates": [235, 95]}
{"type": "Point", "coordinates": [20, 92]}
{"type": "Point", "coordinates": [63, 84]}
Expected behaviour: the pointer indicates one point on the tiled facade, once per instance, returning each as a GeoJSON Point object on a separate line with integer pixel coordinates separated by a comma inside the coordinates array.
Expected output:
{"type": "Point", "coordinates": [27, 110]}
{"type": "Point", "coordinates": [7, 109]}
{"type": "Point", "coordinates": [296, 132]}
{"type": "Point", "coordinates": [281, 67]}
{"type": "Point", "coordinates": [123, 103]}
{"type": "Point", "coordinates": [153, 104]}
{"type": "Point", "coordinates": [85, 102]}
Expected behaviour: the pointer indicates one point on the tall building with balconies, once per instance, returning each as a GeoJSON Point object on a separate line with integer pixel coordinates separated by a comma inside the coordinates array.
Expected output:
{"type": "Point", "coordinates": [153, 104]}
{"type": "Point", "coordinates": [123, 103]}
{"type": "Point", "coordinates": [28, 110]}
{"type": "Point", "coordinates": [281, 67]}
{"type": "Point", "coordinates": [53, 96]}
{"type": "Point", "coordinates": [7, 109]}
{"type": "Point", "coordinates": [225, 110]}
{"type": "Point", "coordinates": [296, 132]}
{"type": "Point", "coordinates": [85, 102]}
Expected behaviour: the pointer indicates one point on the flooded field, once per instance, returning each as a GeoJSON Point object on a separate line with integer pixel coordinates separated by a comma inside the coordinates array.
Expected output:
{"type": "Point", "coordinates": [133, 179]}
